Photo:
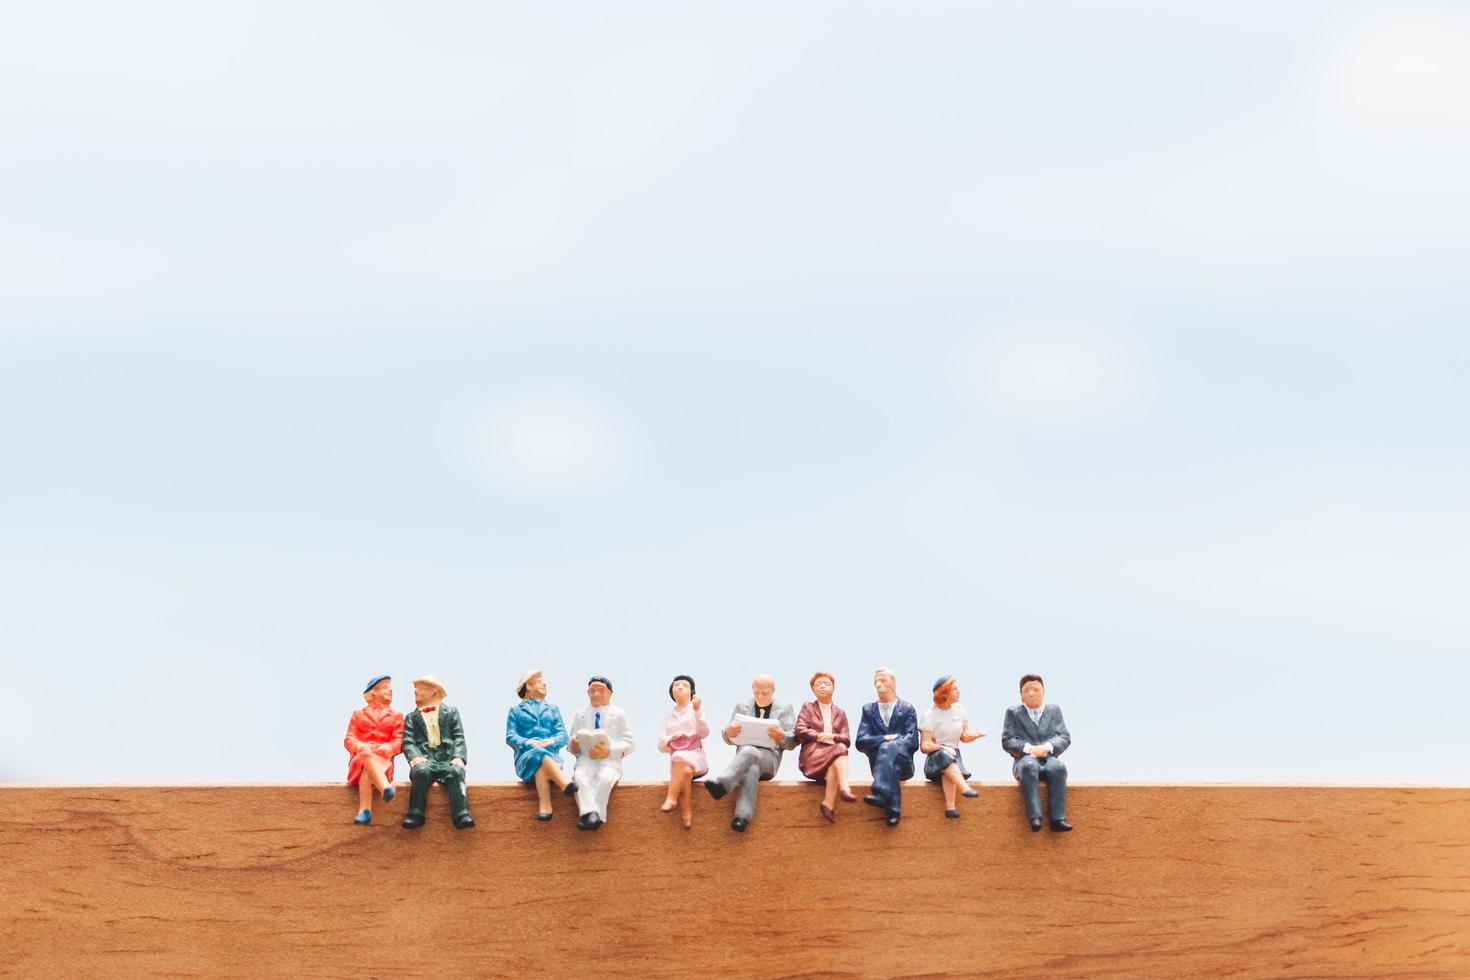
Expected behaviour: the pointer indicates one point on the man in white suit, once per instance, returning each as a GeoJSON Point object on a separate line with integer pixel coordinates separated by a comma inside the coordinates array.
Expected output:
{"type": "Point", "coordinates": [599, 766]}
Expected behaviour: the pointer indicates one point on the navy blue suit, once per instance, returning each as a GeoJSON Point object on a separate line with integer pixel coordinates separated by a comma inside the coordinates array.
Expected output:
{"type": "Point", "coordinates": [892, 761]}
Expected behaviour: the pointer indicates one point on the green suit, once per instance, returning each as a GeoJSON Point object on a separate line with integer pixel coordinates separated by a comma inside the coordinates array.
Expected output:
{"type": "Point", "coordinates": [436, 767]}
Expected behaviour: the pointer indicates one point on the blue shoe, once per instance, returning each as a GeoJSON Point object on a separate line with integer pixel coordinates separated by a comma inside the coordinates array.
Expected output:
{"type": "Point", "coordinates": [363, 817]}
{"type": "Point", "coordinates": [389, 793]}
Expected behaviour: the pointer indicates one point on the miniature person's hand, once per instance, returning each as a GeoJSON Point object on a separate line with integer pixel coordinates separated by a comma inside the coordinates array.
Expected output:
{"type": "Point", "coordinates": [826, 738]}
{"type": "Point", "coordinates": [1041, 751]}
{"type": "Point", "coordinates": [732, 729]}
{"type": "Point", "coordinates": [574, 747]}
{"type": "Point", "coordinates": [598, 751]}
{"type": "Point", "coordinates": [696, 702]}
{"type": "Point", "coordinates": [457, 762]}
{"type": "Point", "coordinates": [416, 763]}
{"type": "Point", "coordinates": [777, 735]}
{"type": "Point", "coordinates": [889, 737]}
{"type": "Point", "coordinates": [969, 736]}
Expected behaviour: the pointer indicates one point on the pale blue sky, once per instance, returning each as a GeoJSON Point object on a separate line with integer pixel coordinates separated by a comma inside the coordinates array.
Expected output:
{"type": "Point", "coordinates": [1118, 343]}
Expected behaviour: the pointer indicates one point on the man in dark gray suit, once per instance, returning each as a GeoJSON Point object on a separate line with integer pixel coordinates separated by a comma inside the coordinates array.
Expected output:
{"type": "Point", "coordinates": [754, 763]}
{"type": "Point", "coordinates": [1034, 735]}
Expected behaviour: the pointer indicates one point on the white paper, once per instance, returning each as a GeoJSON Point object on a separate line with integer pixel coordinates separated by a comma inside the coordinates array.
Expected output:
{"type": "Point", "coordinates": [754, 731]}
{"type": "Point", "coordinates": [588, 737]}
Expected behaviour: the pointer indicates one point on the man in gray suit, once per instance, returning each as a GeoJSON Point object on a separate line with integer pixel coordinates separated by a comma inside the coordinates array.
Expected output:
{"type": "Point", "coordinates": [1034, 735]}
{"type": "Point", "coordinates": [754, 763]}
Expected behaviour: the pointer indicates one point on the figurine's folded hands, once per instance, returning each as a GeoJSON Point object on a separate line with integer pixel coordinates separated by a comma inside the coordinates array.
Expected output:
{"type": "Point", "coordinates": [417, 761]}
{"type": "Point", "coordinates": [457, 762]}
{"type": "Point", "coordinates": [826, 738]}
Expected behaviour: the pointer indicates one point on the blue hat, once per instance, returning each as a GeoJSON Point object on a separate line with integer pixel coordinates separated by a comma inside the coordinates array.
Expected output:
{"type": "Point", "coordinates": [376, 681]}
{"type": "Point", "coordinates": [943, 681]}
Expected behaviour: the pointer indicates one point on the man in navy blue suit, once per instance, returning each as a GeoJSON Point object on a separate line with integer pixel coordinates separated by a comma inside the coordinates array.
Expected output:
{"type": "Point", "coordinates": [888, 735]}
{"type": "Point", "coordinates": [1034, 735]}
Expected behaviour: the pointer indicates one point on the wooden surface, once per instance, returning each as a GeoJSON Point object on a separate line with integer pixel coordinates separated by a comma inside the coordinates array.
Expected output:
{"type": "Point", "coordinates": [1155, 881]}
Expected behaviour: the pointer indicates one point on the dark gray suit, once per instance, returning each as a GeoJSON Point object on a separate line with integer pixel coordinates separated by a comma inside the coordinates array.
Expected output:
{"type": "Point", "coordinates": [1018, 731]}
{"type": "Point", "coordinates": [754, 763]}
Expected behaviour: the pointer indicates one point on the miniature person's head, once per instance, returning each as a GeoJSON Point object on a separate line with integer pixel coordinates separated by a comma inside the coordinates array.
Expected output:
{"type": "Point", "coordinates": [531, 685]}
{"type": "Point", "coordinates": [428, 690]}
{"type": "Point", "coordinates": [379, 690]}
{"type": "Point", "coordinates": [886, 684]}
{"type": "Point", "coordinates": [1033, 690]}
{"type": "Point", "coordinates": [823, 684]}
{"type": "Point", "coordinates": [946, 691]}
{"type": "Point", "coordinates": [682, 689]}
{"type": "Point", "coordinates": [763, 686]}
{"type": "Point", "coordinates": [599, 691]}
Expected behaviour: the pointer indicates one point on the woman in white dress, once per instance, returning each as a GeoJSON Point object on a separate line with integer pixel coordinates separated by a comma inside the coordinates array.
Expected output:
{"type": "Point", "coordinates": [942, 730]}
{"type": "Point", "coordinates": [683, 738]}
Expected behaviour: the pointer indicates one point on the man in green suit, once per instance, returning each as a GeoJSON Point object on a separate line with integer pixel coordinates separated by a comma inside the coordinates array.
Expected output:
{"type": "Point", "coordinates": [433, 743]}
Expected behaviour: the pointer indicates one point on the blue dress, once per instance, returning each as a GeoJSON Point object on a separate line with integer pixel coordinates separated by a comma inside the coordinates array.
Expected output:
{"type": "Point", "coordinates": [534, 719]}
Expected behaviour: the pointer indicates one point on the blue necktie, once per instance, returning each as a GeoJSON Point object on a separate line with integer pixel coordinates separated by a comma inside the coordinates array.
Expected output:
{"type": "Point", "coordinates": [597, 719]}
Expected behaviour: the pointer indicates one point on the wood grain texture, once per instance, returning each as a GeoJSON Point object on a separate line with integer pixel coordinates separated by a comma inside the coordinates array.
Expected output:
{"type": "Point", "coordinates": [1156, 881]}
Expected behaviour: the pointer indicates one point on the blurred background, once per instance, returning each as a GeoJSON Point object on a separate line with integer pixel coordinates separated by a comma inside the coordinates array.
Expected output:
{"type": "Point", "coordinates": [1124, 344]}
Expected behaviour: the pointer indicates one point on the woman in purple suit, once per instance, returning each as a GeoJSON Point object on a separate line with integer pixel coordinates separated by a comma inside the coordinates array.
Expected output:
{"type": "Point", "coordinates": [822, 730]}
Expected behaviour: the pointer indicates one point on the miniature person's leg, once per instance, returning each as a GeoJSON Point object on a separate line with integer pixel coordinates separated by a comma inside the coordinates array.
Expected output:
{"type": "Point", "coordinates": [839, 766]}
{"type": "Point", "coordinates": [605, 779]}
{"type": "Point", "coordinates": [1054, 771]}
{"type": "Point", "coordinates": [543, 790]}
{"type": "Point", "coordinates": [734, 774]}
{"type": "Point", "coordinates": [953, 783]}
{"type": "Point", "coordinates": [374, 766]}
{"type": "Point", "coordinates": [453, 778]}
{"type": "Point", "coordinates": [745, 792]}
{"type": "Point", "coordinates": [1028, 774]}
{"type": "Point", "coordinates": [685, 777]}
{"type": "Point", "coordinates": [886, 782]}
{"type": "Point", "coordinates": [554, 773]}
{"type": "Point", "coordinates": [586, 780]}
{"type": "Point", "coordinates": [419, 778]}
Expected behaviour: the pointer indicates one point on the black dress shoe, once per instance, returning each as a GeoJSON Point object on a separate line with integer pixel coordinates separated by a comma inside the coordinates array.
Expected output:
{"type": "Point", "coordinates": [952, 814]}
{"type": "Point", "coordinates": [715, 787]}
{"type": "Point", "coordinates": [543, 817]}
{"type": "Point", "coordinates": [571, 789]}
{"type": "Point", "coordinates": [412, 822]}
{"type": "Point", "coordinates": [464, 823]}
{"type": "Point", "coordinates": [873, 799]}
{"type": "Point", "coordinates": [739, 824]}
{"type": "Point", "coordinates": [893, 820]}
{"type": "Point", "coordinates": [972, 793]}
{"type": "Point", "coordinates": [593, 821]}
{"type": "Point", "coordinates": [1060, 826]}
{"type": "Point", "coordinates": [1035, 825]}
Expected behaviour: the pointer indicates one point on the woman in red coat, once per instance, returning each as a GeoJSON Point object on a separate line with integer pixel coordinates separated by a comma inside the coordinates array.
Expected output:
{"type": "Point", "coordinates": [374, 737]}
{"type": "Point", "coordinates": [822, 730]}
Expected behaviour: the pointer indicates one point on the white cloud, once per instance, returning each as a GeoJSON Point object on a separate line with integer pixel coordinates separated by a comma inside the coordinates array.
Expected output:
{"type": "Point", "coordinates": [1054, 374]}
{"type": "Point", "coordinates": [550, 442]}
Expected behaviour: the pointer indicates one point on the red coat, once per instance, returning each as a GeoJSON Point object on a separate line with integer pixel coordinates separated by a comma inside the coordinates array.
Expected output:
{"type": "Point", "coordinates": [815, 756]}
{"type": "Point", "coordinates": [374, 728]}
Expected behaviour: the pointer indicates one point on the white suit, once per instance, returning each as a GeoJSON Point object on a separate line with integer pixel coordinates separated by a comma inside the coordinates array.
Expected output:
{"type": "Point", "coordinates": [595, 778]}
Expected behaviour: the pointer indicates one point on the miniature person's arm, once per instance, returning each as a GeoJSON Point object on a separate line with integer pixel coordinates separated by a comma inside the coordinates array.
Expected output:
{"type": "Point", "coordinates": [352, 743]}
{"type": "Point", "coordinates": [1010, 737]}
{"type": "Point", "coordinates": [456, 726]}
{"type": "Point", "coordinates": [668, 734]}
{"type": "Point", "coordinates": [787, 722]}
{"type": "Point", "coordinates": [701, 727]}
{"type": "Point", "coordinates": [579, 722]}
{"type": "Point", "coordinates": [868, 739]}
{"type": "Point", "coordinates": [412, 748]}
{"type": "Point", "coordinates": [623, 744]}
{"type": "Point", "coordinates": [513, 736]}
{"type": "Point", "coordinates": [394, 745]}
{"type": "Point", "coordinates": [805, 730]}
{"type": "Point", "coordinates": [559, 738]}
{"type": "Point", "coordinates": [725, 734]}
{"type": "Point", "coordinates": [841, 732]}
{"type": "Point", "coordinates": [927, 745]}
{"type": "Point", "coordinates": [910, 736]}
{"type": "Point", "coordinates": [1062, 738]}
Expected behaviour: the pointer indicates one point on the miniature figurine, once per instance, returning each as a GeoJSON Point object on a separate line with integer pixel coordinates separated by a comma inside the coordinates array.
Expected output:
{"type": "Point", "coordinates": [433, 744]}
{"type": "Point", "coordinates": [822, 729]}
{"type": "Point", "coordinates": [600, 740]}
{"type": "Point", "coordinates": [683, 739]}
{"type": "Point", "coordinates": [537, 734]}
{"type": "Point", "coordinates": [1034, 735]}
{"type": "Point", "coordinates": [762, 731]}
{"type": "Point", "coordinates": [374, 738]}
{"type": "Point", "coordinates": [888, 734]}
{"type": "Point", "coordinates": [941, 730]}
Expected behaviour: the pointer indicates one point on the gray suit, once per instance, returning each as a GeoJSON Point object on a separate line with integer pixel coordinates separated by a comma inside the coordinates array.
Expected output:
{"type": "Point", "coordinates": [1019, 731]}
{"type": "Point", "coordinates": [753, 763]}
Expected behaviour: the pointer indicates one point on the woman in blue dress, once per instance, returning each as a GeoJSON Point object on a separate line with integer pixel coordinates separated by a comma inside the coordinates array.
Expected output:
{"type": "Point", "coordinates": [537, 734]}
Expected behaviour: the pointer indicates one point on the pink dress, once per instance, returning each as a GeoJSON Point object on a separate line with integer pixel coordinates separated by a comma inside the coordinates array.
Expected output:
{"type": "Point", "coordinates": [683, 737]}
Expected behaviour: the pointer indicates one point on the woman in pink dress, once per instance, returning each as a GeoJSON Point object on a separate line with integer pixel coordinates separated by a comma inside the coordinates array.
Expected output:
{"type": "Point", "coordinates": [683, 738]}
{"type": "Point", "coordinates": [822, 730]}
